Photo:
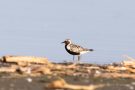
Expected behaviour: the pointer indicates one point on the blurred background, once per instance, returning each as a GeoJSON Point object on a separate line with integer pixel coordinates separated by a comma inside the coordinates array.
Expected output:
{"type": "Point", "coordinates": [37, 28]}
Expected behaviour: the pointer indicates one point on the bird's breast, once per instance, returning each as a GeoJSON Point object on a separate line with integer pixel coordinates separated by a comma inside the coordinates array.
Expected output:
{"type": "Point", "coordinates": [68, 47]}
{"type": "Point", "coordinates": [70, 51]}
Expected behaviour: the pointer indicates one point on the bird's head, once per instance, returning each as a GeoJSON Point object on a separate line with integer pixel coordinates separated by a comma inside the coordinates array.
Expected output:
{"type": "Point", "coordinates": [67, 41]}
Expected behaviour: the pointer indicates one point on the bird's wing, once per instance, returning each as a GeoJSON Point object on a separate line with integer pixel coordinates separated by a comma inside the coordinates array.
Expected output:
{"type": "Point", "coordinates": [76, 48]}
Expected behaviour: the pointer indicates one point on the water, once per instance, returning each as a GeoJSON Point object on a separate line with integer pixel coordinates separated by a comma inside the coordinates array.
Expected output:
{"type": "Point", "coordinates": [37, 27]}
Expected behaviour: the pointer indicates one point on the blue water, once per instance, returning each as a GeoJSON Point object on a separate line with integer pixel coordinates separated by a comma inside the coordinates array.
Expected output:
{"type": "Point", "coordinates": [37, 27]}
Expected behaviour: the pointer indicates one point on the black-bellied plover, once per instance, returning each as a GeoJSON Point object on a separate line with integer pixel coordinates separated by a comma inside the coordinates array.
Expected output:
{"type": "Point", "coordinates": [74, 49]}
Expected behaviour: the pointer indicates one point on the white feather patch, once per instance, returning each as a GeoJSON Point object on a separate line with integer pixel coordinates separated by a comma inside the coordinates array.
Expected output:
{"type": "Point", "coordinates": [68, 47]}
{"type": "Point", "coordinates": [83, 52]}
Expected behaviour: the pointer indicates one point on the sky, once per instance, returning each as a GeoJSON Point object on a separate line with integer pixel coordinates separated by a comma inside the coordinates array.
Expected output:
{"type": "Point", "coordinates": [37, 28]}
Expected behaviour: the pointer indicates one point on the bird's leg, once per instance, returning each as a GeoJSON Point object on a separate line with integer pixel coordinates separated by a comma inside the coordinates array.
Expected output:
{"type": "Point", "coordinates": [73, 57]}
{"type": "Point", "coordinates": [79, 57]}
{"type": "Point", "coordinates": [74, 61]}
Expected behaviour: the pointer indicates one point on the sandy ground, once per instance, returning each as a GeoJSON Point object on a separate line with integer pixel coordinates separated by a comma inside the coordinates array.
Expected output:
{"type": "Point", "coordinates": [42, 75]}
{"type": "Point", "coordinates": [38, 83]}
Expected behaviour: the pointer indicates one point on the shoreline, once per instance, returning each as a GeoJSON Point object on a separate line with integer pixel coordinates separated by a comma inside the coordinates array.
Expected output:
{"type": "Point", "coordinates": [26, 73]}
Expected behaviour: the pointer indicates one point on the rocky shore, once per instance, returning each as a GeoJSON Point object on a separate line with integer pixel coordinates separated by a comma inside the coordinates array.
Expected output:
{"type": "Point", "coordinates": [38, 73]}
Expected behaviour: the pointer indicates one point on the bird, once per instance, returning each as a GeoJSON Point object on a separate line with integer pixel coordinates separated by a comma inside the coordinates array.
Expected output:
{"type": "Point", "coordinates": [74, 49]}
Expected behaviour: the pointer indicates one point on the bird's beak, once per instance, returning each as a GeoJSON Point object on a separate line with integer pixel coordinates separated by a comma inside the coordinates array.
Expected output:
{"type": "Point", "coordinates": [62, 42]}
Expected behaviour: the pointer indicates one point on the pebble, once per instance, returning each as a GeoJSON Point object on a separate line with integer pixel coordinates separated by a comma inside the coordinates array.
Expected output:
{"type": "Point", "coordinates": [29, 80]}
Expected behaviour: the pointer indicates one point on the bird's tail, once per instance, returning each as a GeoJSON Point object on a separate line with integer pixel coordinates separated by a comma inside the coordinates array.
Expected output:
{"type": "Point", "coordinates": [91, 49]}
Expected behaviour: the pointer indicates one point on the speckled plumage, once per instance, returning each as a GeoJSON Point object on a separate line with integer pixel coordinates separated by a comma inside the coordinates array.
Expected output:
{"type": "Point", "coordinates": [74, 49]}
